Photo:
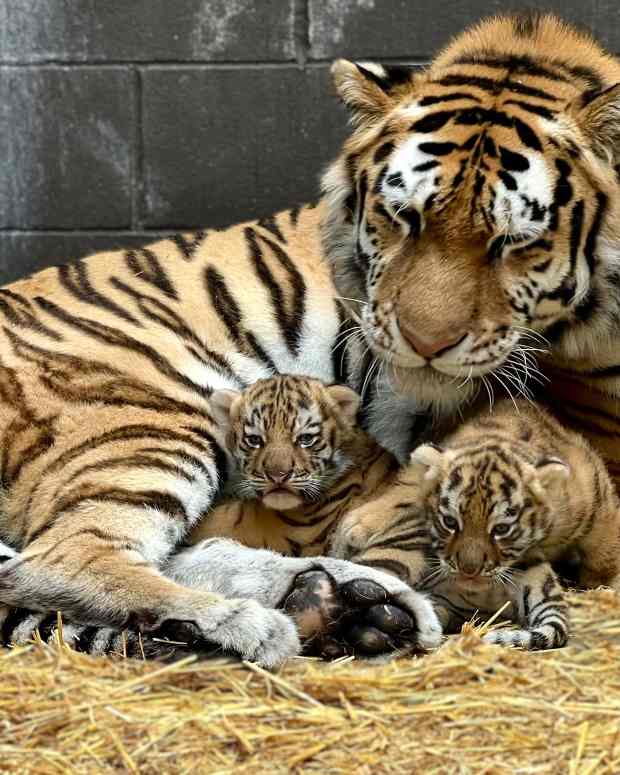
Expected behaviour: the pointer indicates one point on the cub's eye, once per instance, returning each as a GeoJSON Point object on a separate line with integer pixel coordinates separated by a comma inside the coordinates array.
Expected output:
{"type": "Point", "coordinates": [306, 440]}
{"type": "Point", "coordinates": [502, 529]}
{"type": "Point", "coordinates": [253, 441]}
{"type": "Point", "coordinates": [450, 523]}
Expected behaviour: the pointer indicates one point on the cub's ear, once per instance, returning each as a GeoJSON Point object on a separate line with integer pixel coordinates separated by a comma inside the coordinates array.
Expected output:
{"type": "Point", "coordinates": [347, 401]}
{"type": "Point", "coordinates": [368, 89]}
{"type": "Point", "coordinates": [222, 405]}
{"type": "Point", "coordinates": [426, 459]}
{"type": "Point", "coordinates": [551, 473]}
{"type": "Point", "coordinates": [599, 118]}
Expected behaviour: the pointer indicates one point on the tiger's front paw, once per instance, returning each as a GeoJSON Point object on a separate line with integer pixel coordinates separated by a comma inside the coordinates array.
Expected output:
{"type": "Point", "coordinates": [241, 628]}
{"type": "Point", "coordinates": [365, 612]}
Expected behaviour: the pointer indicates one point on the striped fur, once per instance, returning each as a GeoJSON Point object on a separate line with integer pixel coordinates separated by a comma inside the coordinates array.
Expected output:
{"type": "Point", "coordinates": [505, 495]}
{"type": "Point", "coordinates": [310, 464]}
{"type": "Point", "coordinates": [474, 214]}
{"type": "Point", "coordinates": [475, 203]}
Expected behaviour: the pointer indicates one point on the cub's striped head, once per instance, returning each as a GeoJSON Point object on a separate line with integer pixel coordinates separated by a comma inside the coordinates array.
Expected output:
{"type": "Point", "coordinates": [291, 437]}
{"type": "Point", "coordinates": [487, 506]}
{"type": "Point", "coordinates": [477, 201]}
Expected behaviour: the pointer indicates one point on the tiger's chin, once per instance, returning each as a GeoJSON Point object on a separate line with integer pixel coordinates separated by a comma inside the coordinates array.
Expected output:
{"type": "Point", "coordinates": [282, 500]}
{"type": "Point", "coordinates": [432, 387]}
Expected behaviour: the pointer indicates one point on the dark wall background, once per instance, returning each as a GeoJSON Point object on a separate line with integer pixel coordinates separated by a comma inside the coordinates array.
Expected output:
{"type": "Point", "coordinates": [121, 120]}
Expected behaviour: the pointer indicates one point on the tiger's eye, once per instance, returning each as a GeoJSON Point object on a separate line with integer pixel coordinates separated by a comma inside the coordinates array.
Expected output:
{"type": "Point", "coordinates": [501, 529]}
{"type": "Point", "coordinates": [253, 441]}
{"type": "Point", "coordinates": [306, 440]}
{"type": "Point", "coordinates": [450, 523]}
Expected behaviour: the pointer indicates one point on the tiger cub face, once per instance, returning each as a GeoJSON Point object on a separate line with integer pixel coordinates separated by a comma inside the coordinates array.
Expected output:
{"type": "Point", "coordinates": [486, 509]}
{"type": "Point", "coordinates": [290, 437]}
{"type": "Point", "coordinates": [476, 201]}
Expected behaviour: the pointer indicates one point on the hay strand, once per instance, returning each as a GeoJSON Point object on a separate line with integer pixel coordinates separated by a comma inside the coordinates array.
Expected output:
{"type": "Point", "coordinates": [467, 708]}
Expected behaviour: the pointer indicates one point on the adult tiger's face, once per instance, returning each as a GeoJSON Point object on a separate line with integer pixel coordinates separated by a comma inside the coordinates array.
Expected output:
{"type": "Point", "coordinates": [467, 208]}
{"type": "Point", "coordinates": [486, 510]}
{"type": "Point", "coordinates": [290, 437]}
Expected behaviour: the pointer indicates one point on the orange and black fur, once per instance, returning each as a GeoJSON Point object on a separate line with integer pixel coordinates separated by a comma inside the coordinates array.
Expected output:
{"type": "Point", "coordinates": [505, 495]}
{"type": "Point", "coordinates": [302, 463]}
{"type": "Point", "coordinates": [475, 205]}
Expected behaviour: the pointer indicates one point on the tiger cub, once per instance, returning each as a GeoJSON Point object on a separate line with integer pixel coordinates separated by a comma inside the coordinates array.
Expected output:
{"type": "Point", "coordinates": [505, 495]}
{"type": "Point", "coordinates": [301, 463]}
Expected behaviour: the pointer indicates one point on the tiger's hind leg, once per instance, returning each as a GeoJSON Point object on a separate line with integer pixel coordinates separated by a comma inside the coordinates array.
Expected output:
{"type": "Point", "coordinates": [98, 568]}
{"type": "Point", "coordinates": [542, 612]}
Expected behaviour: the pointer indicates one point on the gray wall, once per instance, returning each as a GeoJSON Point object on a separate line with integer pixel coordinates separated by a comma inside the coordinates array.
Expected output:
{"type": "Point", "coordinates": [123, 119]}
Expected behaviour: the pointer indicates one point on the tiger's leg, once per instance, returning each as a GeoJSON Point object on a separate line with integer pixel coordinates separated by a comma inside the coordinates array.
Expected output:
{"type": "Point", "coordinates": [99, 566]}
{"type": "Point", "coordinates": [333, 601]}
{"type": "Point", "coordinates": [541, 610]}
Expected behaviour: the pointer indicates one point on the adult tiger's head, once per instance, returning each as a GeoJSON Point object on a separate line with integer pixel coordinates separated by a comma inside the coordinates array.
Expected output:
{"type": "Point", "coordinates": [485, 509]}
{"type": "Point", "coordinates": [478, 200]}
{"type": "Point", "coordinates": [290, 436]}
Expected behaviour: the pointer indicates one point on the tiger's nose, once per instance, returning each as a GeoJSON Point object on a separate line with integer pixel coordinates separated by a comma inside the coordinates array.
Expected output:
{"type": "Point", "coordinates": [431, 348]}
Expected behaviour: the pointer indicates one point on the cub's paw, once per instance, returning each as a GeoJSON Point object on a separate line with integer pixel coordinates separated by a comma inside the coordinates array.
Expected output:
{"type": "Point", "coordinates": [242, 628]}
{"type": "Point", "coordinates": [351, 537]}
{"type": "Point", "coordinates": [531, 640]}
{"type": "Point", "coordinates": [369, 615]}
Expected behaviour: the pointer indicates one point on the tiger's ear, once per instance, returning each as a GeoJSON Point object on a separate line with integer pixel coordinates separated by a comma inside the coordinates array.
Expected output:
{"type": "Point", "coordinates": [223, 404]}
{"type": "Point", "coordinates": [347, 401]}
{"type": "Point", "coordinates": [426, 460]}
{"type": "Point", "coordinates": [551, 474]}
{"type": "Point", "coordinates": [368, 89]}
{"type": "Point", "coordinates": [599, 118]}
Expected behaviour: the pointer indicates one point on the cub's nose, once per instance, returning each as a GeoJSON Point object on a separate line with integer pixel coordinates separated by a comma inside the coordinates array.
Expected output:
{"type": "Point", "coordinates": [277, 476]}
{"type": "Point", "coordinates": [431, 348]}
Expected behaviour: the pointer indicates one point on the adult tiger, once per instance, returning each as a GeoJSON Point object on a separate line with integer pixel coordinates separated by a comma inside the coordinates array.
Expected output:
{"type": "Point", "coordinates": [472, 202]}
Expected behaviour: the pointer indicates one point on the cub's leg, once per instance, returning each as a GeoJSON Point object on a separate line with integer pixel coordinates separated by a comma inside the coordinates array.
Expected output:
{"type": "Point", "coordinates": [390, 533]}
{"type": "Point", "coordinates": [335, 603]}
{"type": "Point", "coordinates": [541, 610]}
{"type": "Point", "coordinates": [98, 564]}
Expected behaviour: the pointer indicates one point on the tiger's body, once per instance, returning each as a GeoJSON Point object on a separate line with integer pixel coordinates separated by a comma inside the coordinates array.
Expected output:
{"type": "Point", "coordinates": [473, 204]}
{"type": "Point", "coordinates": [506, 495]}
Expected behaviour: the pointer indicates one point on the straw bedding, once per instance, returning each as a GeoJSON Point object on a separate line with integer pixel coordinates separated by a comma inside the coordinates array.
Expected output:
{"type": "Point", "coordinates": [467, 708]}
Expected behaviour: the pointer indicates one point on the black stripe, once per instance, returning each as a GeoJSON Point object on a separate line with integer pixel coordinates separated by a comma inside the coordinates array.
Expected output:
{"type": "Point", "coordinates": [590, 243]}
{"type": "Point", "coordinates": [537, 110]}
{"type": "Point", "coordinates": [433, 121]}
{"type": "Point", "coordinates": [219, 456]}
{"type": "Point", "coordinates": [576, 226]}
{"type": "Point", "coordinates": [451, 97]}
{"type": "Point", "coordinates": [145, 265]}
{"type": "Point", "coordinates": [161, 313]}
{"type": "Point", "coordinates": [438, 149]}
{"type": "Point", "coordinates": [527, 135]}
{"type": "Point", "coordinates": [74, 279]}
{"type": "Point", "coordinates": [515, 63]}
{"type": "Point", "coordinates": [270, 225]}
{"type": "Point", "coordinates": [223, 302]}
{"type": "Point", "coordinates": [116, 338]}
{"type": "Point", "coordinates": [188, 247]}
{"type": "Point", "coordinates": [290, 322]}
{"type": "Point", "coordinates": [19, 312]}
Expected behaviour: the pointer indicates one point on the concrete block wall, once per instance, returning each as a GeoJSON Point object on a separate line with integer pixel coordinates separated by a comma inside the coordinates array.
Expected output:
{"type": "Point", "coordinates": [123, 120]}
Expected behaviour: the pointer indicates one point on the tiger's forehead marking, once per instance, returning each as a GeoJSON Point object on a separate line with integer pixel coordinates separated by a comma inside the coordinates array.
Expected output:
{"type": "Point", "coordinates": [518, 193]}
